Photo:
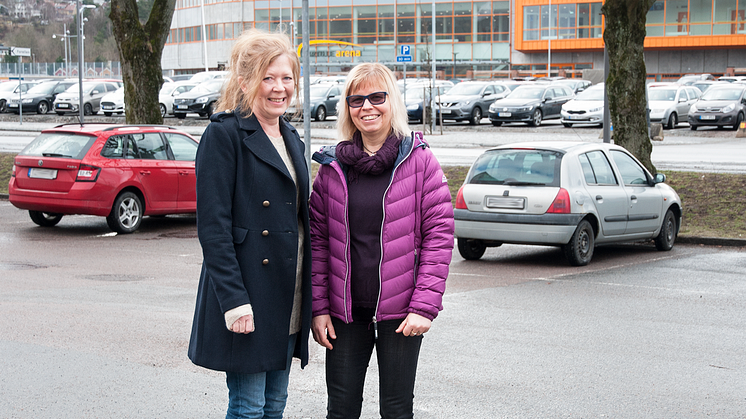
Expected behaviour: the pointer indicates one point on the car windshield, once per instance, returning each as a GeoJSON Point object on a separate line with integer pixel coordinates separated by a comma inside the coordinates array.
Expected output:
{"type": "Point", "coordinates": [517, 168]}
{"type": "Point", "coordinates": [591, 94]}
{"type": "Point", "coordinates": [319, 90]}
{"type": "Point", "coordinates": [208, 87]}
{"type": "Point", "coordinates": [87, 87]}
{"type": "Point", "coordinates": [466, 89]}
{"type": "Point", "coordinates": [7, 86]}
{"type": "Point", "coordinates": [663, 95]}
{"type": "Point", "coordinates": [59, 144]}
{"type": "Point", "coordinates": [730, 93]}
{"type": "Point", "coordinates": [42, 88]}
{"type": "Point", "coordinates": [526, 92]}
{"type": "Point", "coordinates": [167, 88]}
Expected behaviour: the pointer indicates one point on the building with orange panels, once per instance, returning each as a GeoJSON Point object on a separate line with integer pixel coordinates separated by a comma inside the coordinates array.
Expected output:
{"type": "Point", "coordinates": [471, 37]}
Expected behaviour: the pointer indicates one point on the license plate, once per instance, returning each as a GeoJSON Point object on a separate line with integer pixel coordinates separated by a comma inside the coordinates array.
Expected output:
{"type": "Point", "coordinates": [182, 107]}
{"type": "Point", "coordinates": [575, 117]}
{"type": "Point", "coordinates": [107, 107]}
{"type": "Point", "coordinates": [37, 173]}
{"type": "Point", "coordinates": [505, 202]}
{"type": "Point", "coordinates": [504, 114]}
{"type": "Point", "coordinates": [707, 117]}
{"type": "Point", "coordinates": [12, 105]}
{"type": "Point", "coordinates": [445, 111]}
{"type": "Point", "coordinates": [63, 105]}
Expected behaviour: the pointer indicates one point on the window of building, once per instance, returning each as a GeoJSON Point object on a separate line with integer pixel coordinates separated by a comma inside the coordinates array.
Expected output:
{"type": "Point", "coordinates": [365, 24]}
{"type": "Point", "coordinates": [340, 23]}
{"type": "Point", "coordinates": [386, 23]}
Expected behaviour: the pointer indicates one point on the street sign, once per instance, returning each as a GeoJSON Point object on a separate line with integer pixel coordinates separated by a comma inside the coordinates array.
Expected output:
{"type": "Point", "coordinates": [20, 52]}
{"type": "Point", "coordinates": [405, 50]}
{"type": "Point", "coordinates": [403, 58]}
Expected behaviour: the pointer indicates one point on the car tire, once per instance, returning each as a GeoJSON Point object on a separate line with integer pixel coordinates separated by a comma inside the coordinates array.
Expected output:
{"type": "Point", "coordinates": [126, 214]}
{"type": "Point", "coordinates": [42, 107]}
{"type": "Point", "coordinates": [536, 119]}
{"type": "Point", "coordinates": [60, 113]}
{"type": "Point", "coordinates": [320, 114]}
{"type": "Point", "coordinates": [579, 250]}
{"type": "Point", "coordinates": [673, 120]}
{"type": "Point", "coordinates": [108, 113]}
{"type": "Point", "coordinates": [45, 219]}
{"type": "Point", "coordinates": [3, 106]}
{"type": "Point", "coordinates": [210, 109]}
{"type": "Point", "coordinates": [180, 115]}
{"type": "Point", "coordinates": [476, 116]}
{"type": "Point", "coordinates": [87, 109]}
{"type": "Point", "coordinates": [566, 125]}
{"type": "Point", "coordinates": [470, 249]}
{"type": "Point", "coordinates": [739, 119]}
{"type": "Point", "coordinates": [163, 110]}
{"type": "Point", "coordinates": [667, 235]}
{"type": "Point", "coordinates": [692, 127]}
{"type": "Point", "coordinates": [497, 123]}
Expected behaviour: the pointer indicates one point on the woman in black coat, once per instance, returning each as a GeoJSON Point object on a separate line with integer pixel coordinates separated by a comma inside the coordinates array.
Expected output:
{"type": "Point", "coordinates": [253, 308]}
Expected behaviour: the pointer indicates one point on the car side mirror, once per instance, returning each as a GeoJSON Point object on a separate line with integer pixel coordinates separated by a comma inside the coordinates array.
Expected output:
{"type": "Point", "coordinates": [548, 98]}
{"type": "Point", "coordinates": [659, 178]}
{"type": "Point", "coordinates": [682, 99]}
{"type": "Point", "coordinates": [95, 92]}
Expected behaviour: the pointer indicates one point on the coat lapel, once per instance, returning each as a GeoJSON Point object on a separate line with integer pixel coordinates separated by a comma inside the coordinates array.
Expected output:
{"type": "Point", "coordinates": [260, 145]}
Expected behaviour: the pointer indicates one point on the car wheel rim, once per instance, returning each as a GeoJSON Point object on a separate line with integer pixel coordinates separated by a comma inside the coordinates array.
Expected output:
{"type": "Point", "coordinates": [669, 230]}
{"type": "Point", "coordinates": [129, 213]}
{"type": "Point", "coordinates": [584, 243]}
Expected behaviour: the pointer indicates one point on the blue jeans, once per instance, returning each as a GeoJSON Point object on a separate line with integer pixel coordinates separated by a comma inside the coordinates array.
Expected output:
{"type": "Point", "coordinates": [260, 395]}
{"type": "Point", "coordinates": [347, 363]}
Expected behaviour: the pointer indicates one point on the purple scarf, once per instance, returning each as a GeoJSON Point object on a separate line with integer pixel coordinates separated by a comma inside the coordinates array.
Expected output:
{"type": "Point", "coordinates": [350, 153]}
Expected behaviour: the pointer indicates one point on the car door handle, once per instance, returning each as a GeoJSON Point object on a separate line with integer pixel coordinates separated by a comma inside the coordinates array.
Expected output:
{"type": "Point", "coordinates": [184, 172]}
{"type": "Point", "coordinates": [599, 198]}
{"type": "Point", "coordinates": [144, 172]}
{"type": "Point", "coordinates": [633, 197]}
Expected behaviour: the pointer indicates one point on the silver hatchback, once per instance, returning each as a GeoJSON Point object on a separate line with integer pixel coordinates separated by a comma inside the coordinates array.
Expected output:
{"type": "Point", "coordinates": [568, 194]}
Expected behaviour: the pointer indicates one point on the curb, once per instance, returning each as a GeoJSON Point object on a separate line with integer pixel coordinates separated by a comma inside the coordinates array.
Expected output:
{"type": "Point", "coordinates": [706, 241]}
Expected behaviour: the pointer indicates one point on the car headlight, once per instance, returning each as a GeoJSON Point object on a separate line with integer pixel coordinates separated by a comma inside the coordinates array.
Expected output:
{"type": "Point", "coordinates": [729, 108]}
{"type": "Point", "coordinates": [600, 108]}
{"type": "Point", "coordinates": [413, 107]}
{"type": "Point", "coordinates": [28, 100]}
{"type": "Point", "coordinates": [493, 107]}
{"type": "Point", "coordinates": [693, 109]}
{"type": "Point", "coordinates": [203, 99]}
{"type": "Point", "coordinates": [462, 104]}
{"type": "Point", "coordinates": [526, 108]}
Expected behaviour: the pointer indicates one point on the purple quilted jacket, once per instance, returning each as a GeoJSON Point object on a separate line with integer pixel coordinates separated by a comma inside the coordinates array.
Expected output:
{"type": "Point", "coordinates": [416, 236]}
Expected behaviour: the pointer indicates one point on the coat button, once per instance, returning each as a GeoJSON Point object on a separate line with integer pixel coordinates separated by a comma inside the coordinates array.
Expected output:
{"type": "Point", "coordinates": [265, 233]}
{"type": "Point", "coordinates": [265, 203]}
{"type": "Point", "coordinates": [265, 262]}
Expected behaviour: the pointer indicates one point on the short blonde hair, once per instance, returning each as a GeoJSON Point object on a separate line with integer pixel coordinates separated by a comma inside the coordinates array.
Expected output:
{"type": "Point", "coordinates": [372, 75]}
{"type": "Point", "coordinates": [251, 55]}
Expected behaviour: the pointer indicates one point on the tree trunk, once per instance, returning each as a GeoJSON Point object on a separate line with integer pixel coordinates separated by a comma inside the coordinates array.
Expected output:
{"type": "Point", "coordinates": [140, 49]}
{"type": "Point", "coordinates": [624, 36]}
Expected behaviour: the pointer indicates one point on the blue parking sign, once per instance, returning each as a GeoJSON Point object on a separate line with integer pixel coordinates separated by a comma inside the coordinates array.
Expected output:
{"type": "Point", "coordinates": [405, 50]}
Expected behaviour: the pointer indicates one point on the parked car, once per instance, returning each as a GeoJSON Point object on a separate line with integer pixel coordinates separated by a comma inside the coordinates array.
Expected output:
{"type": "Point", "coordinates": [414, 94]}
{"type": "Point", "coordinates": [586, 108]}
{"type": "Point", "coordinates": [577, 85]}
{"type": "Point", "coordinates": [669, 104]}
{"type": "Point", "coordinates": [204, 76]}
{"type": "Point", "coordinates": [324, 98]}
{"type": "Point", "coordinates": [181, 77]}
{"type": "Point", "coordinates": [121, 172]}
{"type": "Point", "coordinates": [469, 101]}
{"type": "Point", "coordinates": [201, 99]}
{"type": "Point", "coordinates": [530, 103]}
{"type": "Point", "coordinates": [39, 98]}
{"type": "Point", "coordinates": [568, 194]}
{"type": "Point", "coordinates": [9, 89]}
{"type": "Point", "coordinates": [169, 91]}
{"type": "Point", "coordinates": [703, 85]}
{"type": "Point", "coordinates": [689, 79]}
{"type": "Point", "coordinates": [113, 103]}
{"type": "Point", "coordinates": [93, 91]}
{"type": "Point", "coordinates": [731, 79]}
{"type": "Point", "coordinates": [719, 106]}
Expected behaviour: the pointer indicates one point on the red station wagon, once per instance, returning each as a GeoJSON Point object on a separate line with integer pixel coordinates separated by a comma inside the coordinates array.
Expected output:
{"type": "Point", "coordinates": [121, 172]}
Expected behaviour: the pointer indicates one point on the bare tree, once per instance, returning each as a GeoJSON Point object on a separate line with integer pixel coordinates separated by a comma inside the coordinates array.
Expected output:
{"type": "Point", "coordinates": [140, 48]}
{"type": "Point", "coordinates": [624, 37]}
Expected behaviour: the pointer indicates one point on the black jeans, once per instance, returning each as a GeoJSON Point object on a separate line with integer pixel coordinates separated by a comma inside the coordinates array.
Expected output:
{"type": "Point", "coordinates": [347, 363]}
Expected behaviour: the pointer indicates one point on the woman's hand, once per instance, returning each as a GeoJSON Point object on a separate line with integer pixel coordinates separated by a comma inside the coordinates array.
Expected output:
{"type": "Point", "coordinates": [243, 325]}
{"type": "Point", "coordinates": [414, 325]}
{"type": "Point", "coordinates": [323, 330]}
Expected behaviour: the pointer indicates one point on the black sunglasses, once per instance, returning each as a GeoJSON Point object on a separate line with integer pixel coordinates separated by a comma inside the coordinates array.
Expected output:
{"type": "Point", "coordinates": [357, 101]}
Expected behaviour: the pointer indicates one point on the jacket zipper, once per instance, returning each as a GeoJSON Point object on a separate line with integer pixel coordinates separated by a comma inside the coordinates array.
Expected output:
{"type": "Point", "coordinates": [380, 240]}
{"type": "Point", "coordinates": [348, 317]}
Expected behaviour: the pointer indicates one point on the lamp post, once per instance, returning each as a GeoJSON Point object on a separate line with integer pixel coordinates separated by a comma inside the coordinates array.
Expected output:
{"type": "Point", "coordinates": [454, 64]}
{"type": "Point", "coordinates": [81, 55]}
{"type": "Point", "coordinates": [65, 38]}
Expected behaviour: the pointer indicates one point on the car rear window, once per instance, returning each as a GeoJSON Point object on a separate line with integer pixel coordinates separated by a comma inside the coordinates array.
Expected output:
{"type": "Point", "coordinates": [517, 167]}
{"type": "Point", "coordinates": [59, 144]}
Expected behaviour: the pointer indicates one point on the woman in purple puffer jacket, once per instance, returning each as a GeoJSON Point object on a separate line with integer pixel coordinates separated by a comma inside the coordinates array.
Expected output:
{"type": "Point", "coordinates": [382, 240]}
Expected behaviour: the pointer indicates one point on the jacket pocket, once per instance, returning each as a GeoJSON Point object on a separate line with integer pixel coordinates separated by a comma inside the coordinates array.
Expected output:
{"type": "Point", "coordinates": [239, 234]}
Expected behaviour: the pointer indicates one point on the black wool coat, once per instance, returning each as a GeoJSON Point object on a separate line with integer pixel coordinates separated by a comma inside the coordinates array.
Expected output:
{"type": "Point", "coordinates": [247, 223]}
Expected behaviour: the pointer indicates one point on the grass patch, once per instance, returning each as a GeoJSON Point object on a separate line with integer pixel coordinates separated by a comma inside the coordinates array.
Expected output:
{"type": "Point", "coordinates": [714, 203]}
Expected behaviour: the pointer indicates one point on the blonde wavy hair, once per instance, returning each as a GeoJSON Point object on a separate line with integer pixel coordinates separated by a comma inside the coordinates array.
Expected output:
{"type": "Point", "coordinates": [251, 55]}
{"type": "Point", "coordinates": [372, 75]}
